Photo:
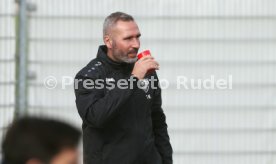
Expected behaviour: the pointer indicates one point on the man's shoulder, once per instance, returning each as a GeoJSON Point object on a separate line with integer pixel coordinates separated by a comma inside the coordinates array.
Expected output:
{"type": "Point", "coordinates": [93, 69]}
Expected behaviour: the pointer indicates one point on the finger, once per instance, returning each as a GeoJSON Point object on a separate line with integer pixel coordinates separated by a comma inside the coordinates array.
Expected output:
{"type": "Point", "coordinates": [146, 58]}
{"type": "Point", "coordinates": [150, 60]}
{"type": "Point", "coordinates": [157, 66]}
{"type": "Point", "coordinates": [153, 66]}
{"type": "Point", "coordinates": [153, 62]}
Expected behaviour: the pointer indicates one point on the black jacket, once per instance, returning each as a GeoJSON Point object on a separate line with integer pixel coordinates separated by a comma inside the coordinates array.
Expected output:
{"type": "Point", "coordinates": [120, 126]}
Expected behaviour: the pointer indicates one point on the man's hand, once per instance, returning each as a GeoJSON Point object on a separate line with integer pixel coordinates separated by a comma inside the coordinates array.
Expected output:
{"type": "Point", "coordinates": [143, 65]}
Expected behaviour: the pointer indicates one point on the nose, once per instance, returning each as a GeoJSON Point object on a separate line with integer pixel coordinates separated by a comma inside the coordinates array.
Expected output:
{"type": "Point", "coordinates": [136, 43]}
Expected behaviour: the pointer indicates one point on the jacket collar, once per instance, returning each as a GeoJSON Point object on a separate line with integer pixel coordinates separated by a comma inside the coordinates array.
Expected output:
{"type": "Point", "coordinates": [102, 54]}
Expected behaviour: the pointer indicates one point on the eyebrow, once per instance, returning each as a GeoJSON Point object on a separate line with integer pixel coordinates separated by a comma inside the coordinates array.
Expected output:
{"type": "Point", "coordinates": [138, 35]}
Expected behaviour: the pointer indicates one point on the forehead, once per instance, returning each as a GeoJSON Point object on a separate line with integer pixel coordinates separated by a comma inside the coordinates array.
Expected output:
{"type": "Point", "coordinates": [126, 28]}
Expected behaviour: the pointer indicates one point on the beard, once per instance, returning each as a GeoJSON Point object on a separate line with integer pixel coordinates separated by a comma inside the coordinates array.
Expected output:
{"type": "Point", "coordinates": [123, 56]}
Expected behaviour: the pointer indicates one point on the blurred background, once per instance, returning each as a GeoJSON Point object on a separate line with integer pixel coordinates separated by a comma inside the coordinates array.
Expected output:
{"type": "Point", "coordinates": [192, 38]}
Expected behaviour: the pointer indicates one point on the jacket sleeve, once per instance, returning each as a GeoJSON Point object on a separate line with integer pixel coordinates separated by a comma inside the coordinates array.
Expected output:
{"type": "Point", "coordinates": [162, 140]}
{"type": "Point", "coordinates": [96, 107]}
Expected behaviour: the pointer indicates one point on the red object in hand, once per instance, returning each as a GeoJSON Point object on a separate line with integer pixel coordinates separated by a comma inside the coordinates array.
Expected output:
{"type": "Point", "coordinates": [145, 53]}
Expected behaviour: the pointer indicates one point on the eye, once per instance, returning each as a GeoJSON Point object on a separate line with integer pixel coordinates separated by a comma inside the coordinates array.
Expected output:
{"type": "Point", "coordinates": [128, 38]}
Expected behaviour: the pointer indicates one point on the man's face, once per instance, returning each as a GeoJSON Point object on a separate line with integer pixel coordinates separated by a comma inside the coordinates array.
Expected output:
{"type": "Point", "coordinates": [125, 41]}
{"type": "Point", "coordinates": [66, 156]}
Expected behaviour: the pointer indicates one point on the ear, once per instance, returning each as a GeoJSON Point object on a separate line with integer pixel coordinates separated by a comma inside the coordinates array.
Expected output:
{"type": "Point", "coordinates": [108, 41]}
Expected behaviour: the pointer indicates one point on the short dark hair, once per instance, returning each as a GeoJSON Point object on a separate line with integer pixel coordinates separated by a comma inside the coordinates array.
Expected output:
{"type": "Point", "coordinates": [113, 18]}
{"type": "Point", "coordinates": [38, 138]}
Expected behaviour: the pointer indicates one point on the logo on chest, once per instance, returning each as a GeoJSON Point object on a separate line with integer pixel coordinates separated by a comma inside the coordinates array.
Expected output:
{"type": "Point", "coordinates": [144, 85]}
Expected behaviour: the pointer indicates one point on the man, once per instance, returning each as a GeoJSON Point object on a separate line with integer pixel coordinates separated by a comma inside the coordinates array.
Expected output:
{"type": "Point", "coordinates": [121, 125]}
{"type": "Point", "coordinates": [40, 141]}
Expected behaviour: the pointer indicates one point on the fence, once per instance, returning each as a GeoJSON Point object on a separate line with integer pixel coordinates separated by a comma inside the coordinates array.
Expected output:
{"type": "Point", "coordinates": [191, 38]}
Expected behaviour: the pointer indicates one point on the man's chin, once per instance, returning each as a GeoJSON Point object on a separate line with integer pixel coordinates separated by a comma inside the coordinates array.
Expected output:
{"type": "Point", "coordinates": [130, 60]}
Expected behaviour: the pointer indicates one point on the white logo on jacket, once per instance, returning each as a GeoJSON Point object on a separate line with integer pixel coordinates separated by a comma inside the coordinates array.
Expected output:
{"type": "Point", "coordinates": [144, 84]}
{"type": "Point", "coordinates": [110, 79]}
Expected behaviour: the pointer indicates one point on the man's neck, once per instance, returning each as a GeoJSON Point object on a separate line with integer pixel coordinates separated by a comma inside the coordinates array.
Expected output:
{"type": "Point", "coordinates": [110, 56]}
